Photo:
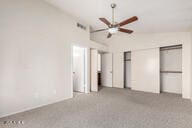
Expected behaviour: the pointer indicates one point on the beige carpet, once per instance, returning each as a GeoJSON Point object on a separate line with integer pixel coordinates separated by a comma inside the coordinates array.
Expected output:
{"type": "Point", "coordinates": [110, 108]}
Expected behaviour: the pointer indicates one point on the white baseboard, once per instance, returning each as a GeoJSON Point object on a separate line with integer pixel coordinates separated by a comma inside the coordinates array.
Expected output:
{"type": "Point", "coordinates": [38, 106]}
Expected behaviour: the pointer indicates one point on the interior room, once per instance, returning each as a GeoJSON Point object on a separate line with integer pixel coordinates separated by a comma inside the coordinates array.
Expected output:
{"type": "Point", "coordinates": [95, 64]}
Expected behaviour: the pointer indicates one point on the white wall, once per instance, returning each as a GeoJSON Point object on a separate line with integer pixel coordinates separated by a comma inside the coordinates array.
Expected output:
{"type": "Point", "coordinates": [36, 54]}
{"type": "Point", "coordinates": [171, 82]}
{"type": "Point", "coordinates": [191, 63]}
{"type": "Point", "coordinates": [123, 42]}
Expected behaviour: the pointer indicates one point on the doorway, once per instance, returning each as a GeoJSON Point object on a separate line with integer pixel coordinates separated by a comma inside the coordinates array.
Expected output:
{"type": "Point", "coordinates": [79, 69]}
{"type": "Point", "coordinates": [99, 69]}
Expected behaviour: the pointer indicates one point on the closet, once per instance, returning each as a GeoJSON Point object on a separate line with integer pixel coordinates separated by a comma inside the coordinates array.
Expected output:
{"type": "Point", "coordinates": [127, 69]}
{"type": "Point", "coordinates": [171, 69]}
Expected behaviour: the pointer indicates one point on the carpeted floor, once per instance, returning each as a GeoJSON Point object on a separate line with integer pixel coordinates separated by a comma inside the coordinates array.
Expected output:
{"type": "Point", "coordinates": [110, 108]}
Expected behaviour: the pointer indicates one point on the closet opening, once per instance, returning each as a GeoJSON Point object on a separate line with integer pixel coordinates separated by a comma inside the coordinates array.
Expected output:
{"type": "Point", "coordinates": [127, 70]}
{"type": "Point", "coordinates": [171, 69]}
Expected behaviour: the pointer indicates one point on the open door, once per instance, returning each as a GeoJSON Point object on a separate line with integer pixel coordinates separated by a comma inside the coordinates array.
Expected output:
{"type": "Point", "coordinates": [78, 69]}
{"type": "Point", "coordinates": [107, 69]}
{"type": "Point", "coordinates": [94, 70]}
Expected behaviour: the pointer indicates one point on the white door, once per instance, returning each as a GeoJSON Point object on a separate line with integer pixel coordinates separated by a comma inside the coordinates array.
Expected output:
{"type": "Point", "coordinates": [78, 69]}
{"type": "Point", "coordinates": [94, 68]}
{"type": "Point", "coordinates": [145, 70]}
{"type": "Point", "coordinates": [106, 69]}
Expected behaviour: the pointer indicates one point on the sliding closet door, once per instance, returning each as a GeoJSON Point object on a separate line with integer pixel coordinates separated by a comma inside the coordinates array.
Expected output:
{"type": "Point", "coordinates": [145, 70]}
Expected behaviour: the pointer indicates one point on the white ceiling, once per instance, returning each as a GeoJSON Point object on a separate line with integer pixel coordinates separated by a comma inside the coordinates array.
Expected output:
{"type": "Point", "coordinates": [154, 15]}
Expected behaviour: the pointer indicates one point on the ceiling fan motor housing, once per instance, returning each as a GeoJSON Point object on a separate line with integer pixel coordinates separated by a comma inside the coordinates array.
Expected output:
{"type": "Point", "coordinates": [113, 5]}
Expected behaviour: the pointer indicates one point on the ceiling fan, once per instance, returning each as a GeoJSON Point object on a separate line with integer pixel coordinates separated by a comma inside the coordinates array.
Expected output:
{"type": "Point", "coordinates": [114, 27]}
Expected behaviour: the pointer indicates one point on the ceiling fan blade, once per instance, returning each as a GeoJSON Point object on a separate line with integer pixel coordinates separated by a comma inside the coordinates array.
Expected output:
{"type": "Point", "coordinates": [125, 30]}
{"type": "Point", "coordinates": [109, 35]}
{"type": "Point", "coordinates": [130, 20]}
{"type": "Point", "coordinates": [99, 30]}
{"type": "Point", "coordinates": [105, 21]}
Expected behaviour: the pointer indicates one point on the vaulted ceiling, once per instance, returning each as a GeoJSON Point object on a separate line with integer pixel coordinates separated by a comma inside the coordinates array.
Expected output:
{"type": "Point", "coordinates": [154, 15]}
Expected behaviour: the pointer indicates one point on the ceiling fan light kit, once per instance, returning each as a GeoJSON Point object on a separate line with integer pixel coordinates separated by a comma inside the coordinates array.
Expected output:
{"type": "Point", "coordinates": [113, 30]}
{"type": "Point", "coordinates": [115, 27]}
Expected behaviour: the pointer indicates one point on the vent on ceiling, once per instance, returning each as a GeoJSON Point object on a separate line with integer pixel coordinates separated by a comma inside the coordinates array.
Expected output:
{"type": "Point", "coordinates": [81, 26]}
